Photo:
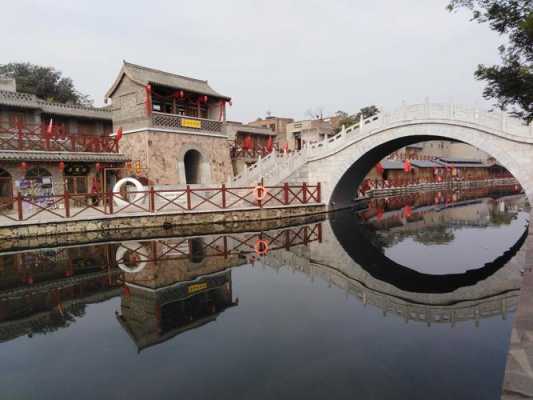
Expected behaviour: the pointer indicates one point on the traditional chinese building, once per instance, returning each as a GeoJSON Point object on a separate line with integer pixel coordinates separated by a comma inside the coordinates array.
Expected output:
{"type": "Point", "coordinates": [308, 131]}
{"type": "Point", "coordinates": [47, 147]}
{"type": "Point", "coordinates": [248, 143]}
{"type": "Point", "coordinates": [278, 125]}
{"type": "Point", "coordinates": [173, 125]}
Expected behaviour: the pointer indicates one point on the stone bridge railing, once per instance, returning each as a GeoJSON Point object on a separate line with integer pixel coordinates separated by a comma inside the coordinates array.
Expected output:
{"type": "Point", "coordinates": [275, 167]}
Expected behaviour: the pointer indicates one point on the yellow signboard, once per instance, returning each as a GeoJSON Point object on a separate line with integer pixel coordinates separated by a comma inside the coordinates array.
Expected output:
{"type": "Point", "coordinates": [197, 287]}
{"type": "Point", "coordinates": [191, 123]}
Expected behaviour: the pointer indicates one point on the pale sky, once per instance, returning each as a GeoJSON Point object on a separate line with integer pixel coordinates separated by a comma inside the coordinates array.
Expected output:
{"type": "Point", "coordinates": [280, 56]}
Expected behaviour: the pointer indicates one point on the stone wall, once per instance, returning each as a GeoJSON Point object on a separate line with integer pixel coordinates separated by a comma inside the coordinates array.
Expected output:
{"type": "Point", "coordinates": [206, 222]}
{"type": "Point", "coordinates": [162, 155]}
{"type": "Point", "coordinates": [128, 106]}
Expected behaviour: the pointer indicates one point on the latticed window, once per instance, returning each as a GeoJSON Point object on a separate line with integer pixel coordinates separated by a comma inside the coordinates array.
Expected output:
{"type": "Point", "coordinates": [36, 172]}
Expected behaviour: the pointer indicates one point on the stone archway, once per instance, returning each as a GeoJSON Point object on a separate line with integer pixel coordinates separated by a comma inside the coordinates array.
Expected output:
{"type": "Point", "coordinates": [348, 167]}
{"type": "Point", "coordinates": [192, 161]}
{"type": "Point", "coordinates": [193, 166]}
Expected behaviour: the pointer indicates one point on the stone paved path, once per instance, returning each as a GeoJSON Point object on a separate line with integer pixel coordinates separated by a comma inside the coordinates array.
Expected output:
{"type": "Point", "coordinates": [518, 379]}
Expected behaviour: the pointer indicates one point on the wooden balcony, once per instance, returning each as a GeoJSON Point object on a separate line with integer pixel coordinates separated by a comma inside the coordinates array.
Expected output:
{"type": "Point", "coordinates": [26, 137]}
{"type": "Point", "coordinates": [183, 122]}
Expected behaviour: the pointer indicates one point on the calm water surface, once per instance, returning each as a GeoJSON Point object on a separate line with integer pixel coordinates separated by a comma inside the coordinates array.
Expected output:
{"type": "Point", "coordinates": [405, 298]}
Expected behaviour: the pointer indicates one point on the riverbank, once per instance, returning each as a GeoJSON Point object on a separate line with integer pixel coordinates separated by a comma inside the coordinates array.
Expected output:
{"type": "Point", "coordinates": [138, 225]}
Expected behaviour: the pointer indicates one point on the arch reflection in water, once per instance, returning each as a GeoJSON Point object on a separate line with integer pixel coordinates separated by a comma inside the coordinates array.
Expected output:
{"type": "Point", "coordinates": [414, 229]}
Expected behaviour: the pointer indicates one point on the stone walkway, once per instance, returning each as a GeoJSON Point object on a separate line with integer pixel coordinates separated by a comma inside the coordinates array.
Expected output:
{"type": "Point", "coordinates": [518, 379]}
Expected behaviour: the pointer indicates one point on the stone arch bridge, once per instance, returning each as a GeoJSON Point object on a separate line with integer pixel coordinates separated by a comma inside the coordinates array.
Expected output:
{"type": "Point", "coordinates": [340, 163]}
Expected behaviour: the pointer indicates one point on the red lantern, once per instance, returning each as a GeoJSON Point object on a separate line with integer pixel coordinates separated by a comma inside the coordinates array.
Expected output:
{"type": "Point", "coordinates": [182, 94]}
{"type": "Point", "coordinates": [407, 211]}
{"type": "Point", "coordinates": [204, 99]}
{"type": "Point", "coordinates": [247, 143]}
{"type": "Point", "coordinates": [269, 144]}
{"type": "Point", "coordinates": [61, 166]}
{"type": "Point", "coordinates": [98, 166]}
{"type": "Point", "coordinates": [118, 136]}
{"type": "Point", "coordinates": [24, 165]}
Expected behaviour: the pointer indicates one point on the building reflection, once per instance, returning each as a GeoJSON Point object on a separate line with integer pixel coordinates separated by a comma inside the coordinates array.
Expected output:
{"type": "Point", "coordinates": [46, 290]}
{"type": "Point", "coordinates": [173, 286]}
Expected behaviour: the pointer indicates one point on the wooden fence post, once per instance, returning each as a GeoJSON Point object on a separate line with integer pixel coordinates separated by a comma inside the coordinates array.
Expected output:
{"type": "Point", "coordinates": [151, 204]}
{"type": "Point", "coordinates": [286, 193]}
{"type": "Point", "coordinates": [223, 190]}
{"type": "Point", "coordinates": [19, 206]}
{"type": "Point", "coordinates": [304, 192]}
{"type": "Point", "coordinates": [66, 202]}
{"type": "Point", "coordinates": [188, 191]}
{"type": "Point", "coordinates": [318, 193]}
{"type": "Point", "coordinates": [110, 201]}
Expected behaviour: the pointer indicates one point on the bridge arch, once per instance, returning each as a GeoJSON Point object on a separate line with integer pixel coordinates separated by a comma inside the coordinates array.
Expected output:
{"type": "Point", "coordinates": [353, 169]}
{"type": "Point", "coordinates": [343, 170]}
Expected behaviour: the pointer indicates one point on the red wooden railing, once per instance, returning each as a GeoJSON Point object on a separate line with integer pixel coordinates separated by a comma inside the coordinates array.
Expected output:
{"type": "Point", "coordinates": [36, 137]}
{"type": "Point", "coordinates": [221, 245]}
{"type": "Point", "coordinates": [159, 201]}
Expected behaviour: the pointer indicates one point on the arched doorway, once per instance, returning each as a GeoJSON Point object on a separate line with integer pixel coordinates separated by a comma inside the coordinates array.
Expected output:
{"type": "Point", "coordinates": [6, 189]}
{"type": "Point", "coordinates": [192, 161]}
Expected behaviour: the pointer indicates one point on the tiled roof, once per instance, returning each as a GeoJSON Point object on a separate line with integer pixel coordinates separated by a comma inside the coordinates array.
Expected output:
{"type": "Point", "coordinates": [15, 155]}
{"type": "Point", "coordinates": [425, 164]}
{"type": "Point", "coordinates": [462, 162]}
{"type": "Point", "coordinates": [398, 164]}
{"type": "Point", "coordinates": [26, 100]}
{"type": "Point", "coordinates": [144, 75]}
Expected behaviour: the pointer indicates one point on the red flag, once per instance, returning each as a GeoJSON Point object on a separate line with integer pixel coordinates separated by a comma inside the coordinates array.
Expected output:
{"type": "Point", "coordinates": [407, 166]}
{"type": "Point", "coordinates": [118, 135]}
{"type": "Point", "coordinates": [379, 168]}
{"type": "Point", "coordinates": [50, 128]}
{"type": "Point", "coordinates": [269, 144]}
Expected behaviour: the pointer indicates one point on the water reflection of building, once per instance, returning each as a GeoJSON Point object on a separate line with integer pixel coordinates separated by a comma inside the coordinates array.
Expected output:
{"type": "Point", "coordinates": [43, 291]}
{"type": "Point", "coordinates": [152, 316]}
{"type": "Point", "coordinates": [181, 287]}
{"type": "Point", "coordinates": [175, 285]}
{"type": "Point", "coordinates": [459, 208]}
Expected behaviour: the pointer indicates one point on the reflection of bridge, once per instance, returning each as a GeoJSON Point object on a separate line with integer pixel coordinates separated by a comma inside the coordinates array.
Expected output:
{"type": "Point", "coordinates": [460, 310]}
{"type": "Point", "coordinates": [341, 163]}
